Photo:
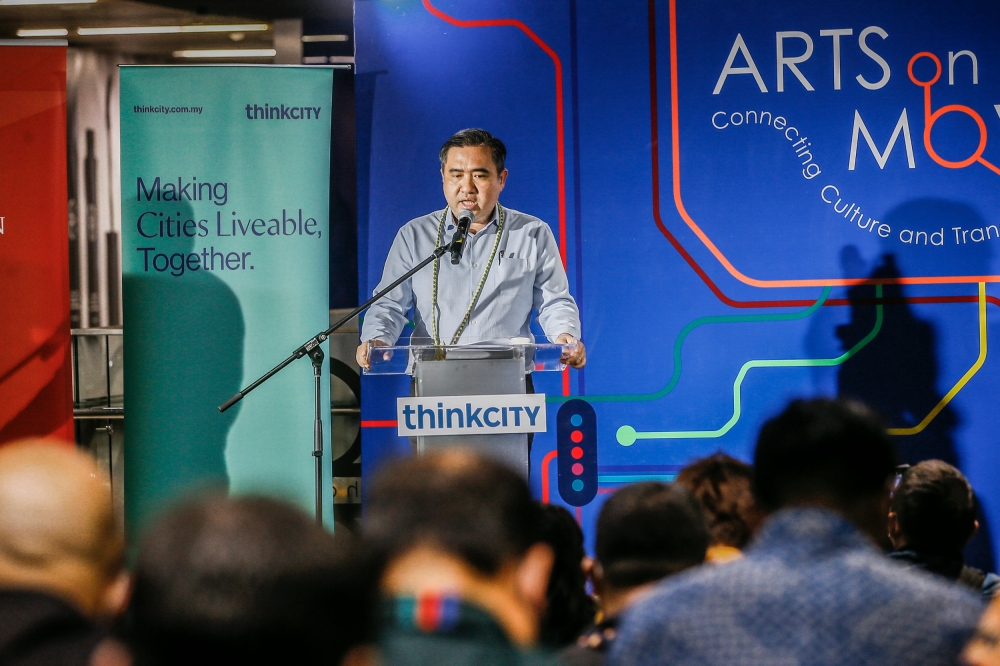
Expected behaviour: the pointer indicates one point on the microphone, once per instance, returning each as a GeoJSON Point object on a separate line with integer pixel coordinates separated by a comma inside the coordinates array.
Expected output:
{"type": "Point", "coordinates": [465, 218]}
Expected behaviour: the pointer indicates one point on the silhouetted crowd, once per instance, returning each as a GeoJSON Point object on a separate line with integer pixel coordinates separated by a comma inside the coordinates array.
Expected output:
{"type": "Point", "coordinates": [780, 562]}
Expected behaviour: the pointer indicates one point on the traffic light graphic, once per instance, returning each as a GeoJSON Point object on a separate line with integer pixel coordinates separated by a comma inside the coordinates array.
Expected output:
{"type": "Point", "coordinates": [576, 432]}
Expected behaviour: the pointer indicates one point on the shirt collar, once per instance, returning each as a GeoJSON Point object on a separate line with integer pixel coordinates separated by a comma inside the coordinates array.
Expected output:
{"type": "Point", "coordinates": [442, 615]}
{"type": "Point", "coordinates": [806, 533]}
{"type": "Point", "coordinates": [949, 567]}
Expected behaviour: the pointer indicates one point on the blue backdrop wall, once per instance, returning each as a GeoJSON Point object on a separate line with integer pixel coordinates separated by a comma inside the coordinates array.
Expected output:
{"type": "Point", "coordinates": [755, 201]}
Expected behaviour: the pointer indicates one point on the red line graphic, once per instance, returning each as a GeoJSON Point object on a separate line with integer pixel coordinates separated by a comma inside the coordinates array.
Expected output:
{"type": "Point", "coordinates": [560, 125]}
{"type": "Point", "coordinates": [679, 203]}
{"type": "Point", "coordinates": [378, 424]}
{"type": "Point", "coordinates": [560, 141]}
{"type": "Point", "coordinates": [549, 457]}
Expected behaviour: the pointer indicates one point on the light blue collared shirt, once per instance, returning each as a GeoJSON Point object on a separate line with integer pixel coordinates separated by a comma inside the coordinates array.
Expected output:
{"type": "Point", "coordinates": [527, 273]}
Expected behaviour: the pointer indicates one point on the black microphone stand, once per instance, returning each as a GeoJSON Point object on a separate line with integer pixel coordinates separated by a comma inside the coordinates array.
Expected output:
{"type": "Point", "coordinates": [312, 349]}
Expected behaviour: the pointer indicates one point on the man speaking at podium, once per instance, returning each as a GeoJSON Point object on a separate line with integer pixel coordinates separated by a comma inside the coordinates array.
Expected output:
{"type": "Point", "coordinates": [510, 265]}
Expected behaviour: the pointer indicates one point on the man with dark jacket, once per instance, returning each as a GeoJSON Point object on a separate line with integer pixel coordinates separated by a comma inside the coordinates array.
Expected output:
{"type": "Point", "coordinates": [932, 517]}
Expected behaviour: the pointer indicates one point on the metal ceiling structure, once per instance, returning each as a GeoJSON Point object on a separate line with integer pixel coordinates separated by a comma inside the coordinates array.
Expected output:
{"type": "Point", "coordinates": [329, 17]}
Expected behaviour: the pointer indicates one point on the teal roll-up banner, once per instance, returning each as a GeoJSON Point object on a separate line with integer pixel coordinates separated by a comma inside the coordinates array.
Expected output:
{"type": "Point", "coordinates": [225, 204]}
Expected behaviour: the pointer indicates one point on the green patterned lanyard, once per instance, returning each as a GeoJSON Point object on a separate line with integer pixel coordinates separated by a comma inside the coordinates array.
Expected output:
{"type": "Point", "coordinates": [479, 289]}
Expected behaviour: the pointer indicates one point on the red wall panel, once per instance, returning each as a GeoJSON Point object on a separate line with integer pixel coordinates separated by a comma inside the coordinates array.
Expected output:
{"type": "Point", "coordinates": [35, 373]}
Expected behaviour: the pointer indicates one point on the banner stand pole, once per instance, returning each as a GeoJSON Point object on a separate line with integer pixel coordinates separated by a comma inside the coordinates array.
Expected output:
{"type": "Point", "coordinates": [311, 348]}
{"type": "Point", "coordinates": [316, 354]}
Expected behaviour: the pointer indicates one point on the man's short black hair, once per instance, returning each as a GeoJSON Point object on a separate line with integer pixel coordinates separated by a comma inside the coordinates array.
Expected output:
{"type": "Point", "coordinates": [472, 507]}
{"type": "Point", "coordinates": [475, 137]}
{"type": "Point", "coordinates": [835, 448]}
{"type": "Point", "coordinates": [649, 530]}
{"type": "Point", "coordinates": [936, 508]}
{"type": "Point", "coordinates": [724, 486]}
{"type": "Point", "coordinates": [246, 581]}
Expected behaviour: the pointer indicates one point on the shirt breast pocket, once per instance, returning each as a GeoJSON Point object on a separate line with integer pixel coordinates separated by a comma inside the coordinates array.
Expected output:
{"type": "Point", "coordinates": [512, 272]}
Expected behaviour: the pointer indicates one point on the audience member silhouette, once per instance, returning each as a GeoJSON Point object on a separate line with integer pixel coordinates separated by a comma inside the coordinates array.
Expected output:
{"type": "Point", "coordinates": [932, 516]}
{"type": "Point", "coordinates": [646, 532]}
{"type": "Point", "coordinates": [463, 568]}
{"type": "Point", "coordinates": [246, 581]}
{"type": "Point", "coordinates": [724, 486]}
{"type": "Point", "coordinates": [812, 588]}
{"type": "Point", "coordinates": [569, 609]}
{"type": "Point", "coordinates": [61, 557]}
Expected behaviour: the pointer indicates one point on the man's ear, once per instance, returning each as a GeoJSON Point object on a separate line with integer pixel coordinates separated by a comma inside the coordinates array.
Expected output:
{"type": "Point", "coordinates": [895, 532]}
{"type": "Point", "coordinates": [597, 577]}
{"type": "Point", "coordinates": [361, 655]}
{"type": "Point", "coordinates": [116, 595]}
{"type": "Point", "coordinates": [532, 577]}
{"type": "Point", "coordinates": [503, 178]}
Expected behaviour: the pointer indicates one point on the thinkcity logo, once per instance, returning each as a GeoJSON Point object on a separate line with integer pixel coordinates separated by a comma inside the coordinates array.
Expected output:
{"type": "Point", "coordinates": [470, 414]}
{"type": "Point", "coordinates": [282, 112]}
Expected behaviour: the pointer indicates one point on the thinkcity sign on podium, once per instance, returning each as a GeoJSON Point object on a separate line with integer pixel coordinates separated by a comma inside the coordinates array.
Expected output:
{"type": "Point", "coordinates": [470, 414]}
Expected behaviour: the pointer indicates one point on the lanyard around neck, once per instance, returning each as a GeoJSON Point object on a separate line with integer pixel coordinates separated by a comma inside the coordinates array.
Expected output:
{"type": "Point", "coordinates": [479, 288]}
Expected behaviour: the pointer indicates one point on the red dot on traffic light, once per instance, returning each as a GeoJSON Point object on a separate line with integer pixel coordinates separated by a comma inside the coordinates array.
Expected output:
{"type": "Point", "coordinates": [576, 436]}
{"type": "Point", "coordinates": [577, 452]}
{"type": "Point", "coordinates": [577, 469]}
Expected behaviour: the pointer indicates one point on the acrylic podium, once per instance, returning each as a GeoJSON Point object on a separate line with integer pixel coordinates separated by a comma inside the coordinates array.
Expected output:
{"type": "Point", "coordinates": [481, 384]}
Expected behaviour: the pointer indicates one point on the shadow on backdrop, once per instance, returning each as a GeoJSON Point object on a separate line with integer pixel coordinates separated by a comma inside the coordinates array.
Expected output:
{"type": "Point", "coordinates": [183, 352]}
{"type": "Point", "coordinates": [897, 372]}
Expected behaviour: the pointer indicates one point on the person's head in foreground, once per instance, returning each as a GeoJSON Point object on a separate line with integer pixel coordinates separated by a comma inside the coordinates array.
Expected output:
{"type": "Point", "coordinates": [645, 532]}
{"type": "Point", "coordinates": [828, 454]}
{"type": "Point", "coordinates": [57, 528]}
{"type": "Point", "coordinates": [933, 510]}
{"type": "Point", "coordinates": [61, 553]}
{"type": "Point", "coordinates": [984, 647]}
{"type": "Point", "coordinates": [813, 587]}
{"type": "Point", "coordinates": [245, 581]}
{"type": "Point", "coordinates": [570, 609]}
{"type": "Point", "coordinates": [724, 486]}
{"type": "Point", "coordinates": [932, 516]}
{"type": "Point", "coordinates": [458, 541]}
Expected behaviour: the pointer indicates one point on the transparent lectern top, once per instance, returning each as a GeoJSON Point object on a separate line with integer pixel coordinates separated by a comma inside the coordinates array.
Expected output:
{"type": "Point", "coordinates": [398, 360]}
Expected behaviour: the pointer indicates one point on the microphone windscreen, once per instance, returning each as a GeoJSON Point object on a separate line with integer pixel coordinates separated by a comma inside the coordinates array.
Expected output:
{"type": "Point", "coordinates": [466, 216]}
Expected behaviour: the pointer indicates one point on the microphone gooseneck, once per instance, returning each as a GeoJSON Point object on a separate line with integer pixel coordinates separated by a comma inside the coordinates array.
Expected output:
{"type": "Point", "coordinates": [465, 219]}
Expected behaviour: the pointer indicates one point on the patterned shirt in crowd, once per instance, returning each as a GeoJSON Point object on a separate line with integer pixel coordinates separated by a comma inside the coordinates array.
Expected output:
{"type": "Point", "coordinates": [810, 590]}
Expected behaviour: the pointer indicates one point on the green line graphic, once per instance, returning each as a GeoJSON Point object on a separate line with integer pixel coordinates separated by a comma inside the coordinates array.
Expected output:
{"type": "Point", "coordinates": [679, 343]}
{"type": "Point", "coordinates": [627, 435]}
{"type": "Point", "coordinates": [633, 478]}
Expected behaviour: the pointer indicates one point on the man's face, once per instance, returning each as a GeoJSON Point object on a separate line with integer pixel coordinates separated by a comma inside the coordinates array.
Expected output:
{"type": "Point", "coordinates": [471, 181]}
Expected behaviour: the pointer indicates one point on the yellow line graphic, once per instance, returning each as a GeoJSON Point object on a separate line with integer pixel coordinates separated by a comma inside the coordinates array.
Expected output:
{"type": "Point", "coordinates": [961, 382]}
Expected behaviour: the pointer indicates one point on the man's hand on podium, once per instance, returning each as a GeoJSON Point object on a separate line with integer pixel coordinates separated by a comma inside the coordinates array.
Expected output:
{"type": "Point", "coordinates": [363, 355]}
{"type": "Point", "coordinates": [576, 359]}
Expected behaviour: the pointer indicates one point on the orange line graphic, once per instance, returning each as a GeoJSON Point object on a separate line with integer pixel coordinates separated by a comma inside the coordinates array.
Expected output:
{"type": "Point", "coordinates": [819, 282]}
